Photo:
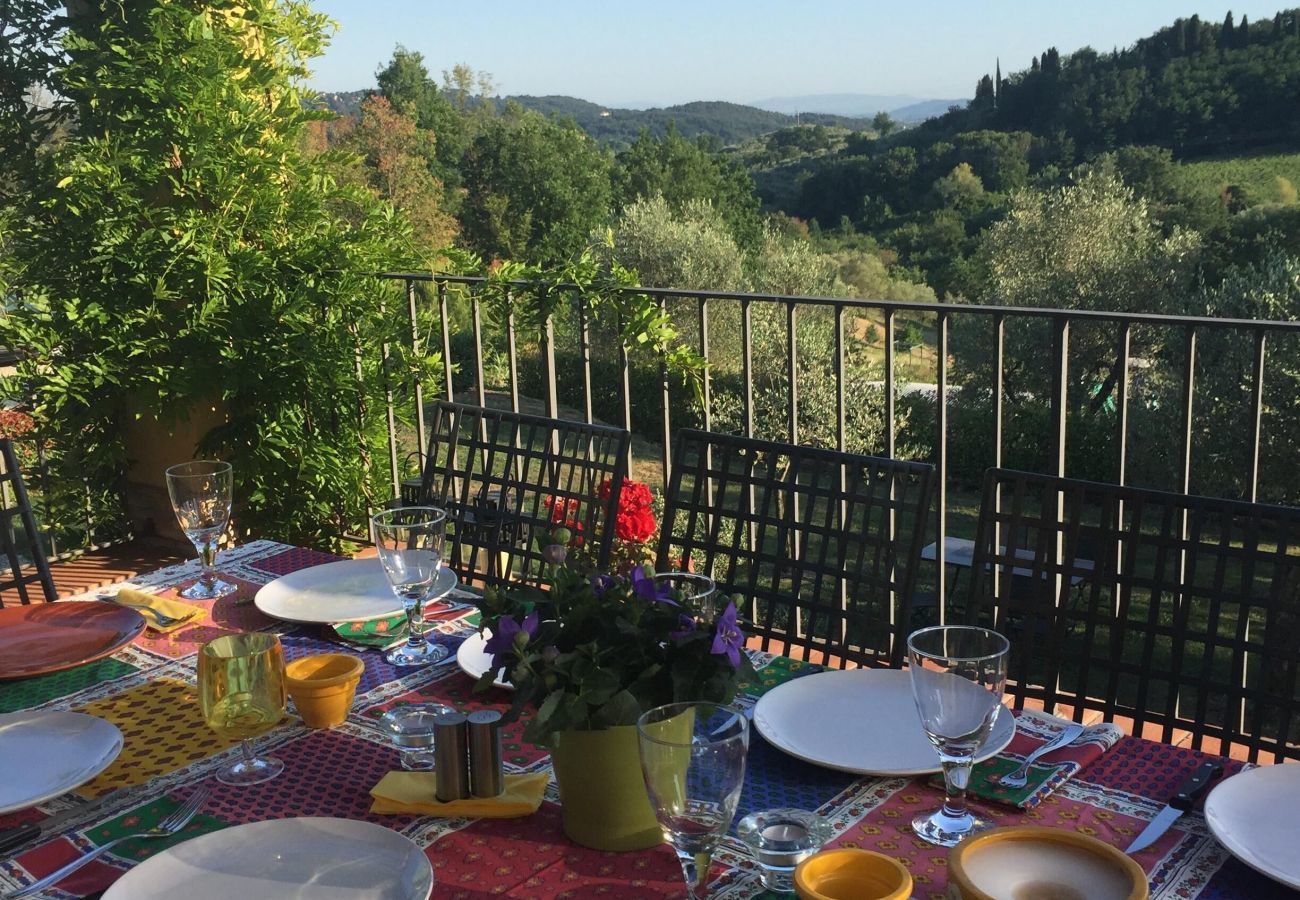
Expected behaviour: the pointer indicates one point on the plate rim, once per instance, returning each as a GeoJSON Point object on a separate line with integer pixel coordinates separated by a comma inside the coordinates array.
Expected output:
{"type": "Point", "coordinates": [137, 628]}
{"type": "Point", "coordinates": [428, 865]}
{"type": "Point", "coordinates": [1230, 843]}
{"type": "Point", "coordinates": [259, 600]}
{"type": "Point", "coordinates": [479, 636]}
{"type": "Point", "coordinates": [89, 774]}
{"type": "Point", "coordinates": [990, 750]}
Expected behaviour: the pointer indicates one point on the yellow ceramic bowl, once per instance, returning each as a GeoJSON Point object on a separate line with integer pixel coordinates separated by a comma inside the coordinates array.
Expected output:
{"type": "Point", "coordinates": [1049, 863]}
{"type": "Point", "coordinates": [322, 687]}
{"type": "Point", "coordinates": [851, 874]}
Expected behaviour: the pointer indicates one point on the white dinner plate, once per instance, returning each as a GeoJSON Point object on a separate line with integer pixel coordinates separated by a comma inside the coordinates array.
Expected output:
{"type": "Point", "coordinates": [312, 858]}
{"type": "Point", "coordinates": [858, 720]}
{"type": "Point", "coordinates": [1253, 816]}
{"type": "Point", "coordinates": [56, 752]}
{"type": "Point", "coordinates": [350, 590]}
{"type": "Point", "coordinates": [474, 660]}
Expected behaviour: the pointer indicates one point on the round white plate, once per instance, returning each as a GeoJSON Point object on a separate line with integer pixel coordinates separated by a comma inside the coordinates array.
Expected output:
{"type": "Point", "coordinates": [350, 590]}
{"type": "Point", "coordinates": [306, 859]}
{"type": "Point", "coordinates": [474, 660]}
{"type": "Point", "coordinates": [54, 752]}
{"type": "Point", "coordinates": [858, 720]}
{"type": "Point", "coordinates": [1253, 816]}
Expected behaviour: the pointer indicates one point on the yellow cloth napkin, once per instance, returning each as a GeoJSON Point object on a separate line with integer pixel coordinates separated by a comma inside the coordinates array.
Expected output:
{"type": "Point", "coordinates": [412, 792]}
{"type": "Point", "coordinates": [174, 608]}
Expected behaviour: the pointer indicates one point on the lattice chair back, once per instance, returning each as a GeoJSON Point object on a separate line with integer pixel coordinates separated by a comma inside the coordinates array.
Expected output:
{"type": "Point", "coordinates": [507, 479]}
{"type": "Point", "coordinates": [29, 567]}
{"type": "Point", "coordinates": [822, 546]}
{"type": "Point", "coordinates": [1172, 614]}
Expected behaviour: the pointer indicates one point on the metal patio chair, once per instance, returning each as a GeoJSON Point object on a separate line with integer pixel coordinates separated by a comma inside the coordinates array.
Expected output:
{"type": "Point", "coordinates": [1175, 614]}
{"type": "Point", "coordinates": [506, 479]}
{"type": "Point", "coordinates": [28, 564]}
{"type": "Point", "coordinates": [822, 546]}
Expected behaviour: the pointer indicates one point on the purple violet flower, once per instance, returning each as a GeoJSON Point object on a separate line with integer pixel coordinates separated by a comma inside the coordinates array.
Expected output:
{"type": "Point", "coordinates": [685, 628]}
{"type": "Point", "coordinates": [728, 639]}
{"type": "Point", "coordinates": [645, 586]}
{"type": "Point", "coordinates": [601, 583]}
{"type": "Point", "coordinates": [503, 637]}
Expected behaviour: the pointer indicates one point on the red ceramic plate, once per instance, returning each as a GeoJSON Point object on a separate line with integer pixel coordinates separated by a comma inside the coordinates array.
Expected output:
{"type": "Point", "coordinates": [51, 637]}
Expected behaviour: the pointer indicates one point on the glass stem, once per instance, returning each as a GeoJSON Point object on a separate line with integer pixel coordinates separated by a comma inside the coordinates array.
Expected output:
{"type": "Point", "coordinates": [956, 778]}
{"type": "Point", "coordinates": [246, 749]}
{"type": "Point", "coordinates": [415, 625]}
{"type": "Point", "coordinates": [208, 558]}
{"type": "Point", "coordinates": [695, 870]}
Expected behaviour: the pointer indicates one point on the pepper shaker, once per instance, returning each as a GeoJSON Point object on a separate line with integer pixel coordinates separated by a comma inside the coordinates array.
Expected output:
{"type": "Point", "coordinates": [486, 774]}
{"type": "Point", "coordinates": [450, 757]}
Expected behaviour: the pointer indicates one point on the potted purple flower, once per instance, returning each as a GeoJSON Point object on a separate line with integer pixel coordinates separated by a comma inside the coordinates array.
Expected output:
{"type": "Point", "coordinates": [588, 657]}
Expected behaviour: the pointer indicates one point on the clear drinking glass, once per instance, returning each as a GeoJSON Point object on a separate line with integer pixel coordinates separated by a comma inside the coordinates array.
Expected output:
{"type": "Point", "coordinates": [958, 675]}
{"type": "Point", "coordinates": [696, 593]}
{"type": "Point", "coordinates": [242, 693]}
{"type": "Point", "coordinates": [410, 548]}
{"type": "Point", "coordinates": [693, 761]}
{"type": "Point", "coordinates": [201, 495]}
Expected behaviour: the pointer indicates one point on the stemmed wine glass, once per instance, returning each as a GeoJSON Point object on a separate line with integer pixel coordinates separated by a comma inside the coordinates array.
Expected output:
{"type": "Point", "coordinates": [410, 548]}
{"type": "Point", "coordinates": [242, 693]}
{"type": "Point", "coordinates": [201, 496]}
{"type": "Point", "coordinates": [697, 593]}
{"type": "Point", "coordinates": [958, 675]}
{"type": "Point", "coordinates": [693, 762]}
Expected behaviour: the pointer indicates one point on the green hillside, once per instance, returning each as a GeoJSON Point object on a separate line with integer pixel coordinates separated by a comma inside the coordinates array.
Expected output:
{"type": "Point", "coordinates": [1257, 175]}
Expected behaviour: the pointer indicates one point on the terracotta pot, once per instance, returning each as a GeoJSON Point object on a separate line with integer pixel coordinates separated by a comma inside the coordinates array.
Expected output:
{"type": "Point", "coordinates": [153, 445]}
{"type": "Point", "coordinates": [322, 687]}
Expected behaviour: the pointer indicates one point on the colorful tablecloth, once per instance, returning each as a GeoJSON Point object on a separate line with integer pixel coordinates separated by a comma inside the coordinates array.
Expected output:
{"type": "Point", "coordinates": [147, 690]}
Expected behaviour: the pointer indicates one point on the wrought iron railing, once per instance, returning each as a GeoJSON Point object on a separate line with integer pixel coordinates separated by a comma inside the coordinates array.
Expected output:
{"type": "Point", "coordinates": [1171, 391]}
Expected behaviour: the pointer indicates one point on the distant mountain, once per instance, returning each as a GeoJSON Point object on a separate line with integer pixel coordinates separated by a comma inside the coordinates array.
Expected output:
{"type": "Point", "coordinates": [863, 105]}
{"type": "Point", "coordinates": [925, 109]}
{"type": "Point", "coordinates": [730, 123]}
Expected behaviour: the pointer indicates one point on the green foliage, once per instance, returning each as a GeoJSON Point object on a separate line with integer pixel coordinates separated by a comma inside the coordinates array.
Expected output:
{"type": "Point", "coordinates": [689, 249]}
{"type": "Point", "coordinates": [593, 653]}
{"type": "Point", "coordinates": [535, 190]}
{"type": "Point", "coordinates": [407, 85]}
{"type": "Point", "coordinates": [681, 173]}
{"type": "Point", "coordinates": [180, 249]}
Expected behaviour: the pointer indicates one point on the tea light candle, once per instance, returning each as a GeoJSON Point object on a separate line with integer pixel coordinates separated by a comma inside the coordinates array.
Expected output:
{"type": "Point", "coordinates": [780, 839]}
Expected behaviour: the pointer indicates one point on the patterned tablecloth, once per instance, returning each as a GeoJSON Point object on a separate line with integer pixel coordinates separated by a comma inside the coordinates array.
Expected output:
{"type": "Point", "coordinates": [147, 690]}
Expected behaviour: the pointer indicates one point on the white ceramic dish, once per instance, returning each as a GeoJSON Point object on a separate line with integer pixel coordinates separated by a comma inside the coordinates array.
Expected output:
{"type": "Point", "coordinates": [306, 859]}
{"type": "Point", "coordinates": [350, 590]}
{"type": "Point", "coordinates": [1253, 816]}
{"type": "Point", "coordinates": [474, 660]}
{"type": "Point", "coordinates": [858, 720]}
{"type": "Point", "coordinates": [57, 751]}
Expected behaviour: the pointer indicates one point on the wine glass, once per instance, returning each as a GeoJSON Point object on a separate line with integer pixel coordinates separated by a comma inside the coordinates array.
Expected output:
{"type": "Point", "coordinates": [410, 548]}
{"type": "Point", "coordinates": [201, 496]}
{"type": "Point", "coordinates": [958, 674]}
{"type": "Point", "coordinates": [693, 762]}
{"type": "Point", "coordinates": [242, 693]}
{"type": "Point", "coordinates": [696, 593]}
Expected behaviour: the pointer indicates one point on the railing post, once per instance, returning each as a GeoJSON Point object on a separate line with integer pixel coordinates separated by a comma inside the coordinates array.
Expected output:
{"type": "Point", "coordinates": [667, 412]}
{"type": "Point", "coordinates": [552, 400]}
{"type": "Point", "coordinates": [890, 430]}
{"type": "Point", "coordinates": [445, 326]}
{"type": "Point", "coordinates": [512, 351]}
{"type": "Point", "coordinates": [792, 371]}
{"type": "Point", "coordinates": [747, 364]}
{"type": "Point", "coordinates": [1060, 393]}
{"type": "Point", "coordinates": [941, 422]}
{"type": "Point", "coordinates": [584, 343]}
{"type": "Point", "coordinates": [421, 433]}
{"type": "Point", "coordinates": [1257, 409]}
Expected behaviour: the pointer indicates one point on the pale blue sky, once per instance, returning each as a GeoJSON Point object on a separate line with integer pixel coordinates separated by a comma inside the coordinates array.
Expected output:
{"type": "Point", "coordinates": [673, 51]}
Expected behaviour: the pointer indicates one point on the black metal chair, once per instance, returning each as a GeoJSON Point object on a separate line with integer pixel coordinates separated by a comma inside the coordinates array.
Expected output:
{"type": "Point", "coordinates": [823, 546]}
{"type": "Point", "coordinates": [1167, 612]}
{"type": "Point", "coordinates": [28, 564]}
{"type": "Point", "coordinates": [507, 479]}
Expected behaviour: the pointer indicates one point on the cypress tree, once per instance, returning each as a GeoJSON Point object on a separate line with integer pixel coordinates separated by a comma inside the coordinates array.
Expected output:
{"type": "Point", "coordinates": [1277, 26]}
{"type": "Point", "coordinates": [1180, 38]}
{"type": "Point", "coordinates": [1193, 34]}
{"type": "Point", "coordinates": [1243, 33]}
{"type": "Point", "coordinates": [1227, 32]}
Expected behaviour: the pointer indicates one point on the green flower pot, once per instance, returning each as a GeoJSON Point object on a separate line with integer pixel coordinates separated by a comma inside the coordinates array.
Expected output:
{"type": "Point", "coordinates": [602, 793]}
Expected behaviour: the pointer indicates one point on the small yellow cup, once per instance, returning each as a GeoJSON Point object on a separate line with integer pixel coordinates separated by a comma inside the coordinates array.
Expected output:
{"type": "Point", "coordinates": [1035, 861]}
{"type": "Point", "coordinates": [851, 874]}
{"type": "Point", "coordinates": [322, 687]}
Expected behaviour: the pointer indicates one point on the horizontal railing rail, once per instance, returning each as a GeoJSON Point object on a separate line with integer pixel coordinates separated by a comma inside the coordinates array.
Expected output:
{"type": "Point", "coordinates": [694, 307]}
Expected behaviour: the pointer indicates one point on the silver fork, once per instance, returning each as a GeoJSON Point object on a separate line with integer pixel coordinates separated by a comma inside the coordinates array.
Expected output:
{"type": "Point", "coordinates": [161, 619]}
{"type": "Point", "coordinates": [1020, 777]}
{"type": "Point", "coordinates": [166, 828]}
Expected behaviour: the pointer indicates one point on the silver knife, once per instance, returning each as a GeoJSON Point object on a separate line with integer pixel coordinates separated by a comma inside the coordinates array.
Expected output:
{"type": "Point", "coordinates": [1181, 802]}
{"type": "Point", "coordinates": [14, 838]}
